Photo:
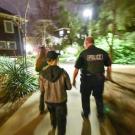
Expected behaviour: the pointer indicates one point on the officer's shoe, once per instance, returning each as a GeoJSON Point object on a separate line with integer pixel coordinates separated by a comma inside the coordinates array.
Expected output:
{"type": "Point", "coordinates": [84, 116]}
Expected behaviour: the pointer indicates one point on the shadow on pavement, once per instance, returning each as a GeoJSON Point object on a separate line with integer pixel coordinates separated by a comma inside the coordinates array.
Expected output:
{"type": "Point", "coordinates": [86, 127]}
{"type": "Point", "coordinates": [106, 128]}
{"type": "Point", "coordinates": [30, 127]}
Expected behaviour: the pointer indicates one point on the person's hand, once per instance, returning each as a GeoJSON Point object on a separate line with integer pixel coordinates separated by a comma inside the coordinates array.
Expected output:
{"type": "Point", "coordinates": [74, 83]}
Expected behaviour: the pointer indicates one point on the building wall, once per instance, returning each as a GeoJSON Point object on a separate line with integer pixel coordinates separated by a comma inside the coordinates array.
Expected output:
{"type": "Point", "coordinates": [15, 37]}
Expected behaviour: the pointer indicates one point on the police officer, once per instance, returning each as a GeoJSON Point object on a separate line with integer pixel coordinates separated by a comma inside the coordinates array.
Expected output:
{"type": "Point", "coordinates": [91, 62]}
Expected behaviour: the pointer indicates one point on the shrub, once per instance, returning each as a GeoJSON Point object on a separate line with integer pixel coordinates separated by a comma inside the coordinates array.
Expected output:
{"type": "Point", "coordinates": [18, 81]}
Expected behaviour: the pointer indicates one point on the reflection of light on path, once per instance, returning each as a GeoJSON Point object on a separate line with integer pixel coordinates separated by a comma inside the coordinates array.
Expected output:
{"type": "Point", "coordinates": [93, 118]}
{"type": "Point", "coordinates": [74, 108]}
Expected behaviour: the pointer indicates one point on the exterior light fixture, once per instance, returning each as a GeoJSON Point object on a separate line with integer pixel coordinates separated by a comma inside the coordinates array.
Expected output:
{"type": "Point", "coordinates": [61, 33]}
{"type": "Point", "coordinates": [87, 13]}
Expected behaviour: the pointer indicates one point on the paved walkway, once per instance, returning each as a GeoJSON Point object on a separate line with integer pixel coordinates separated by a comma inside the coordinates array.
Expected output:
{"type": "Point", "coordinates": [27, 121]}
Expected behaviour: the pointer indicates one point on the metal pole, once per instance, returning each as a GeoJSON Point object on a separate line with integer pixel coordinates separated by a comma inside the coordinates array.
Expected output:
{"type": "Point", "coordinates": [25, 30]}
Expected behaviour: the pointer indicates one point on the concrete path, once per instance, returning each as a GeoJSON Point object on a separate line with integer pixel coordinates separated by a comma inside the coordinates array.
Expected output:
{"type": "Point", "coordinates": [27, 121]}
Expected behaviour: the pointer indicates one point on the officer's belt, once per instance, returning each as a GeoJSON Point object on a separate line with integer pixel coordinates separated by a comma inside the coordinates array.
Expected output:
{"type": "Point", "coordinates": [93, 74]}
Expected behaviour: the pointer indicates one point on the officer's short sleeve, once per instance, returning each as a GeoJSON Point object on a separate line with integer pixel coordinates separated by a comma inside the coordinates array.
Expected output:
{"type": "Point", "coordinates": [79, 62]}
{"type": "Point", "coordinates": [107, 60]}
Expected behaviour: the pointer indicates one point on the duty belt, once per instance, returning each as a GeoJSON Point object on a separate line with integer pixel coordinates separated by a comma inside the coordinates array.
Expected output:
{"type": "Point", "coordinates": [93, 74]}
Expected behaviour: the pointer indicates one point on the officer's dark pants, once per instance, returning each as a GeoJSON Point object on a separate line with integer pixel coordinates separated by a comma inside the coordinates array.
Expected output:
{"type": "Point", "coordinates": [93, 84]}
{"type": "Point", "coordinates": [58, 113]}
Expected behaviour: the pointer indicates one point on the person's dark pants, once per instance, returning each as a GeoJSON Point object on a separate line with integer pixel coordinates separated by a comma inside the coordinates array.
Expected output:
{"type": "Point", "coordinates": [88, 85]}
{"type": "Point", "coordinates": [41, 103]}
{"type": "Point", "coordinates": [58, 113]}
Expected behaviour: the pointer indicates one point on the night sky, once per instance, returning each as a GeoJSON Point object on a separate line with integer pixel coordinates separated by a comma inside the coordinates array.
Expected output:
{"type": "Point", "coordinates": [35, 13]}
{"type": "Point", "coordinates": [18, 6]}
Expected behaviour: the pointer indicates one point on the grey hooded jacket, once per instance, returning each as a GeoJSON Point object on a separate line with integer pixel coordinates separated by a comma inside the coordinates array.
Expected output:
{"type": "Point", "coordinates": [54, 81]}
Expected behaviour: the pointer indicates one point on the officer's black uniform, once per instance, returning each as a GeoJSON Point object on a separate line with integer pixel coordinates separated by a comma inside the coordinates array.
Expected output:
{"type": "Point", "coordinates": [91, 62]}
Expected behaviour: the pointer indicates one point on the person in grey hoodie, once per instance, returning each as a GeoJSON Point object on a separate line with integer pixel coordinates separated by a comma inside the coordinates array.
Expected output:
{"type": "Point", "coordinates": [54, 81]}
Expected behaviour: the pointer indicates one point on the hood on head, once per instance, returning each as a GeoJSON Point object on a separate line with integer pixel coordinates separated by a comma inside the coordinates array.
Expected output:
{"type": "Point", "coordinates": [52, 73]}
